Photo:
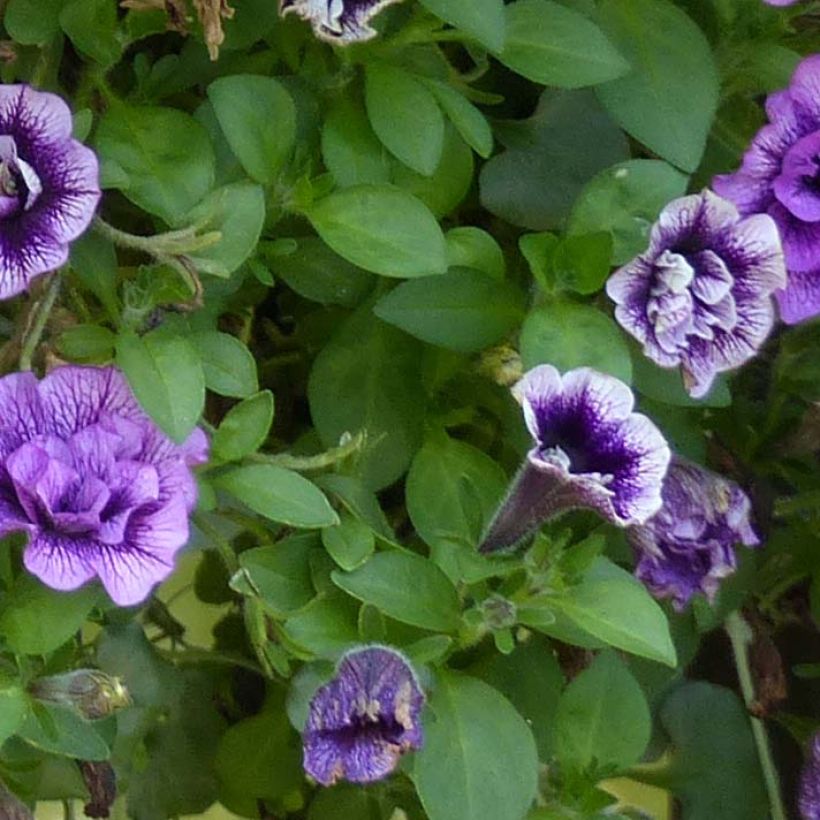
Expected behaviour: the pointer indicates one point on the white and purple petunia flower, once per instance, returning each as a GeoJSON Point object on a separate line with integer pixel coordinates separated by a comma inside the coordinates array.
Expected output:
{"type": "Point", "coordinates": [98, 488]}
{"type": "Point", "coordinates": [689, 545]}
{"type": "Point", "coordinates": [337, 21]}
{"type": "Point", "coordinates": [699, 297]}
{"type": "Point", "coordinates": [591, 451]}
{"type": "Point", "coordinates": [780, 176]}
{"type": "Point", "coordinates": [364, 719]}
{"type": "Point", "coordinates": [808, 796]}
{"type": "Point", "coordinates": [49, 185]}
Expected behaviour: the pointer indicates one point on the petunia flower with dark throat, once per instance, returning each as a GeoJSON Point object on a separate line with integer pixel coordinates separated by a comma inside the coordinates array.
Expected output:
{"type": "Point", "coordinates": [97, 487]}
{"type": "Point", "coordinates": [364, 719]}
{"type": "Point", "coordinates": [49, 186]}
{"type": "Point", "coordinates": [341, 22]}
{"type": "Point", "coordinates": [591, 451]}
{"type": "Point", "coordinates": [780, 176]}
{"type": "Point", "coordinates": [688, 546]}
{"type": "Point", "coordinates": [699, 297]}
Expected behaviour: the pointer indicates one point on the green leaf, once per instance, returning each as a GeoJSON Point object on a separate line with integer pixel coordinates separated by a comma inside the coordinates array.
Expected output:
{"type": "Point", "coordinates": [258, 118]}
{"type": "Point", "coordinates": [481, 19]}
{"type": "Point", "coordinates": [14, 707]}
{"type": "Point", "coordinates": [368, 377]}
{"type": "Point", "coordinates": [381, 229]}
{"type": "Point", "coordinates": [94, 262]}
{"type": "Point", "coordinates": [554, 45]}
{"type": "Point", "coordinates": [613, 606]}
{"type": "Point", "coordinates": [86, 343]}
{"type": "Point", "coordinates": [280, 495]}
{"type": "Point", "coordinates": [344, 802]}
{"type": "Point", "coordinates": [32, 22]}
{"type": "Point", "coordinates": [327, 626]}
{"type": "Point", "coordinates": [470, 247]}
{"type": "Point", "coordinates": [603, 721]}
{"type": "Point", "coordinates": [228, 365]}
{"type": "Point", "coordinates": [62, 731]}
{"type": "Point", "coordinates": [624, 201]}
{"type": "Point", "coordinates": [463, 309]}
{"type": "Point", "coordinates": [35, 619]}
{"type": "Point", "coordinates": [160, 158]}
{"type": "Point", "coordinates": [406, 587]}
{"type": "Point", "coordinates": [350, 543]}
{"type": "Point", "coordinates": [472, 767]}
{"type": "Point", "coordinates": [165, 373]}
{"type": "Point", "coordinates": [581, 263]}
{"type": "Point", "coordinates": [244, 428]}
{"type": "Point", "coordinates": [666, 385]}
{"type": "Point", "coordinates": [280, 573]}
{"type": "Point", "coordinates": [568, 335]}
{"type": "Point", "coordinates": [467, 119]}
{"type": "Point", "coordinates": [405, 116]}
{"type": "Point", "coordinates": [362, 502]}
{"type": "Point", "coordinates": [671, 61]}
{"type": "Point", "coordinates": [91, 25]}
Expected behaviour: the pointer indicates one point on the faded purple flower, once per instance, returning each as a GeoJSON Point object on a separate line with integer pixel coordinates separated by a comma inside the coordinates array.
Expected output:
{"type": "Point", "coordinates": [49, 185]}
{"type": "Point", "coordinates": [590, 451]}
{"type": "Point", "coordinates": [780, 176]}
{"type": "Point", "coordinates": [780, 2]}
{"type": "Point", "coordinates": [689, 545]}
{"type": "Point", "coordinates": [808, 796]}
{"type": "Point", "coordinates": [364, 719]}
{"type": "Point", "coordinates": [97, 487]}
{"type": "Point", "coordinates": [699, 297]}
{"type": "Point", "coordinates": [341, 22]}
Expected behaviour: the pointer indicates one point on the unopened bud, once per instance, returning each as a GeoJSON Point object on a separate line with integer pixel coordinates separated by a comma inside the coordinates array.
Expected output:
{"type": "Point", "coordinates": [499, 613]}
{"type": "Point", "coordinates": [93, 693]}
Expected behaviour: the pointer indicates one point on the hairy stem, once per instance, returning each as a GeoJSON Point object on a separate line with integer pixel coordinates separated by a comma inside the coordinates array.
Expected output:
{"type": "Point", "coordinates": [35, 332]}
{"type": "Point", "coordinates": [307, 464]}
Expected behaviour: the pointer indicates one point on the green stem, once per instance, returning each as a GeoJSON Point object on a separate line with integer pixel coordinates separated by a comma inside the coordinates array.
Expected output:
{"type": "Point", "coordinates": [740, 635]}
{"type": "Point", "coordinates": [308, 464]}
{"type": "Point", "coordinates": [68, 809]}
{"type": "Point", "coordinates": [35, 333]}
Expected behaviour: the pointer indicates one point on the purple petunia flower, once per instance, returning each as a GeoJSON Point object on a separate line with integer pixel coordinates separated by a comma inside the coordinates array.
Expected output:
{"type": "Point", "coordinates": [689, 545]}
{"type": "Point", "coordinates": [590, 451]}
{"type": "Point", "coordinates": [337, 21]}
{"type": "Point", "coordinates": [700, 296]}
{"type": "Point", "coordinates": [780, 176]}
{"type": "Point", "coordinates": [361, 722]}
{"type": "Point", "coordinates": [97, 487]}
{"type": "Point", "coordinates": [49, 185]}
{"type": "Point", "coordinates": [808, 796]}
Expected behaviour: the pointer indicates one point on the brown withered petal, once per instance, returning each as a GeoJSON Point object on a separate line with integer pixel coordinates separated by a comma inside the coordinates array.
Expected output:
{"type": "Point", "coordinates": [101, 782]}
{"type": "Point", "coordinates": [211, 13]}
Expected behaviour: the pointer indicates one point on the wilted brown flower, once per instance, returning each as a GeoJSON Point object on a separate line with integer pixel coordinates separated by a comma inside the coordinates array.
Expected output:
{"type": "Point", "coordinates": [211, 13]}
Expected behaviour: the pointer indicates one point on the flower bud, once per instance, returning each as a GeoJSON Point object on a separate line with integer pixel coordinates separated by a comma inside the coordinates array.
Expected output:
{"type": "Point", "coordinates": [93, 693]}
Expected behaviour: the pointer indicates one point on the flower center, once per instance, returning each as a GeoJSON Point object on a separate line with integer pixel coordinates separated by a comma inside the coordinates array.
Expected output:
{"type": "Point", "coordinates": [19, 184]}
{"type": "Point", "coordinates": [797, 187]}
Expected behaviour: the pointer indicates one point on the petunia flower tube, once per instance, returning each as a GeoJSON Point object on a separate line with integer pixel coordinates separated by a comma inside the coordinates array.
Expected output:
{"type": "Point", "coordinates": [780, 176]}
{"type": "Point", "coordinates": [689, 545]}
{"type": "Point", "coordinates": [364, 719]}
{"type": "Point", "coordinates": [699, 297]}
{"type": "Point", "coordinates": [590, 451]}
{"type": "Point", "coordinates": [98, 488]}
{"type": "Point", "coordinates": [49, 185]}
{"type": "Point", "coordinates": [808, 796]}
{"type": "Point", "coordinates": [341, 22]}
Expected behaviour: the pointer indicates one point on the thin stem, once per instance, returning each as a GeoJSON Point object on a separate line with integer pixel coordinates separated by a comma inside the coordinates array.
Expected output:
{"type": "Point", "coordinates": [740, 635]}
{"type": "Point", "coordinates": [35, 333]}
{"type": "Point", "coordinates": [68, 809]}
{"type": "Point", "coordinates": [307, 464]}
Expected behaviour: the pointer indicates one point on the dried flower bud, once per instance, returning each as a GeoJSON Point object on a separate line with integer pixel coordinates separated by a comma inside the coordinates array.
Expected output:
{"type": "Point", "coordinates": [101, 782]}
{"type": "Point", "coordinates": [93, 693]}
{"type": "Point", "coordinates": [11, 808]}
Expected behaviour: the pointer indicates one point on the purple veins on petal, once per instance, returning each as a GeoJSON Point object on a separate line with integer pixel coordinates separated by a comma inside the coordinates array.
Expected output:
{"type": "Point", "coordinates": [341, 22]}
{"type": "Point", "coordinates": [98, 488]}
{"type": "Point", "coordinates": [808, 796]}
{"type": "Point", "coordinates": [364, 719]}
{"type": "Point", "coordinates": [590, 451]}
{"type": "Point", "coordinates": [49, 185]}
{"type": "Point", "coordinates": [700, 297]}
{"type": "Point", "coordinates": [688, 546]}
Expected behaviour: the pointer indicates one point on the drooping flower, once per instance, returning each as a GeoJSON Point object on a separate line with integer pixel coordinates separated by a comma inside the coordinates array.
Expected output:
{"type": "Point", "coordinates": [95, 484]}
{"type": "Point", "coordinates": [591, 451]}
{"type": "Point", "coordinates": [688, 546]}
{"type": "Point", "coordinates": [49, 185]}
{"type": "Point", "coordinates": [780, 176]}
{"type": "Point", "coordinates": [699, 297]}
{"type": "Point", "coordinates": [364, 719]}
{"type": "Point", "coordinates": [808, 796]}
{"type": "Point", "coordinates": [337, 21]}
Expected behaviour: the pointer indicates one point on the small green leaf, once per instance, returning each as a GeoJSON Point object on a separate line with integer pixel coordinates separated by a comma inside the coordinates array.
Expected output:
{"type": "Point", "coordinates": [244, 428]}
{"type": "Point", "coordinates": [228, 365]}
{"type": "Point", "coordinates": [350, 543]}
{"type": "Point", "coordinates": [467, 119]}
{"type": "Point", "coordinates": [32, 22]}
{"type": "Point", "coordinates": [60, 730]}
{"type": "Point", "coordinates": [91, 25]}
{"type": "Point", "coordinates": [14, 707]}
{"type": "Point", "coordinates": [481, 19]}
{"type": "Point", "coordinates": [87, 343]}
{"type": "Point", "coordinates": [280, 573]}
{"type": "Point", "coordinates": [471, 247]}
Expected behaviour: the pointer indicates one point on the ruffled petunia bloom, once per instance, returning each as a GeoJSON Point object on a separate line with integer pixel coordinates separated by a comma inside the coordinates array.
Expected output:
{"type": "Point", "coordinates": [689, 545]}
{"type": "Point", "coordinates": [591, 451]}
{"type": "Point", "coordinates": [699, 297]}
{"type": "Point", "coordinates": [808, 796]}
{"type": "Point", "coordinates": [364, 719]}
{"type": "Point", "coordinates": [780, 176]}
{"type": "Point", "coordinates": [98, 488]}
{"type": "Point", "coordinates": [337, 21]}
{"type": "Point", "coordinates": [49, 185]}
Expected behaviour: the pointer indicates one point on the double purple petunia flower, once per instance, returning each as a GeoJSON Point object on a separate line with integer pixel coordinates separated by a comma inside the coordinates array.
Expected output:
{"type": "Point", "coordinates": [699, 297]}
{"type": "Point", "coordinates": [688, 546]}
{"type": "Point", "coordinates": [98, 488]}
{"type": "Point", "coordinates": [780, 176]}
{"type": "Point", "coordinates": [591, 451]}
{"type": "Point", "coordinates": [49, 186]}
{"type": "Point", "coordinates": [361, 722]}
{"type": "Point", "coordinates": [341, 22]}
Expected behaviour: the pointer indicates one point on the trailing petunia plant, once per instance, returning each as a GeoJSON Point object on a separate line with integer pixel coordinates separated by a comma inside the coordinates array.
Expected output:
{"type": "Point", "coordinates": [410, 409]}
